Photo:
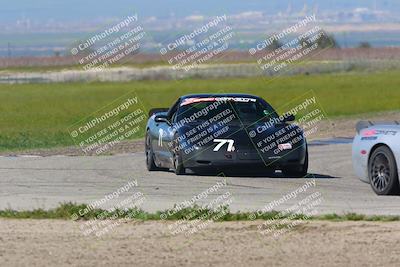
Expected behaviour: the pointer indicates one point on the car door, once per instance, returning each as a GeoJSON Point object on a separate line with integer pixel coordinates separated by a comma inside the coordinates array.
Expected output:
{"type": "Point", "coordinates": [165, 137]}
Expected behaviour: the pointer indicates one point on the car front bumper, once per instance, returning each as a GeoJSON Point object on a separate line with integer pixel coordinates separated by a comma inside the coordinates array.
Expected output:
{"type": "Point", "coordinates": [251, 160]}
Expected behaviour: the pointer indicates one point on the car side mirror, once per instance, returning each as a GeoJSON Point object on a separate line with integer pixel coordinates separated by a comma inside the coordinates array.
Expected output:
{"type": "Point", "coordinates": [289, 118]}
{"type": "Point", "coordinates": [161, 118]}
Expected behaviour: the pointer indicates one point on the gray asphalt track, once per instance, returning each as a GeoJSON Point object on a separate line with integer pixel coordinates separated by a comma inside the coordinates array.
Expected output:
{"type": "Point", "coordinates": [44, 182]}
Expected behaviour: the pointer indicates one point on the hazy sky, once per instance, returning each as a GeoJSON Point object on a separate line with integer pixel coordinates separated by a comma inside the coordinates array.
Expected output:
{"type": "Point", "coordinates": [91, 9]}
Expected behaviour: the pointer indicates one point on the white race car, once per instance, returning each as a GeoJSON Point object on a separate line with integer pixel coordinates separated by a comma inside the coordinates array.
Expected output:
{"type": "Point", "coordinates": [376, 155]}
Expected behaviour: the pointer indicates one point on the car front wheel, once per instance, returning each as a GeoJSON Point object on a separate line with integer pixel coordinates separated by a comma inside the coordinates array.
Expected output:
{"type": "Point", "coordinates": [297, 171]}
{"type": "Point", "coordinates": [150, 164]}
{"type": "Point", "coordinates": [177, 159]}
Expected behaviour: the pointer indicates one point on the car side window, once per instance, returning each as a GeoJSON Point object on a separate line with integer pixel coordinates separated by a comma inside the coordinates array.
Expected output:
{"type": "Point", "coordinates": [173, 111]}
{"type": "Point", "coordinates": [173, 119]}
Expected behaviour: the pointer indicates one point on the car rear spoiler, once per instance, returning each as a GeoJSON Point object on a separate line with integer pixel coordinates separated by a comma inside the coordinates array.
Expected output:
{"type": "Point", "coordinates": [157, 110]}
{"type": "Point", "coordinates": [365, 124]}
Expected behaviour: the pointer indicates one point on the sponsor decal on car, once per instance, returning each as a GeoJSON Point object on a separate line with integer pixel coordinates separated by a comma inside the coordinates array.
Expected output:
{"type": "Point", "coordinates": [189, 101]}
{"type": "Point", "coordinates": [369, 138]}
{"type": "Point", "coordinates": [285, 146]}
{"type": "Point", "coordinates": [386, 132]}
{"type": "Point", "coordinates": [369, 132]}
{"type": "Point", "coordinates": [378, 132]}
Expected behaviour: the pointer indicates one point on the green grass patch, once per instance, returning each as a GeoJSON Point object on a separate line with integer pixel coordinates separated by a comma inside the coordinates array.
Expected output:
{"type": "Point", "coordinates": [67, 211]}
{"type": "Point", "coordinates": [38, 115]}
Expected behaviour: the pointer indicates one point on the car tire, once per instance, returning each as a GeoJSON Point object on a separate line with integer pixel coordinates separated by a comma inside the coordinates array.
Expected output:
{"type": "Point", "coordinates": [297, 171]}
{"type": "Point", "coordinates": [179, 168]}
{"type": "Point", "coordinates": [150, 164]}
{"type": "Point", "coordinates": [382, 172]}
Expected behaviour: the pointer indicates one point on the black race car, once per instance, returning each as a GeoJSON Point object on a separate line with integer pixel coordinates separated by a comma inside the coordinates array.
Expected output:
{"type": "Point", "coordinates": [224, 132]}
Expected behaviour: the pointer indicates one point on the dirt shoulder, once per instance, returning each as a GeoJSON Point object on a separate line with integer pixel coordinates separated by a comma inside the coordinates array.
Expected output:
{"type": "Point", "coordinates": [150, 243]}
{"type": "Point", "coordinates": [124, 147]}
{"type": "Point", "coordinates": [332, 128]}
{"type": "Point", "coordinates": [345, 126]}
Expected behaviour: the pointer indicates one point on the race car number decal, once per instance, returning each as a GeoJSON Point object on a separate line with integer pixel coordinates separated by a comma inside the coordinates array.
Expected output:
{"type": "Point", "coordinates": [223, 142]}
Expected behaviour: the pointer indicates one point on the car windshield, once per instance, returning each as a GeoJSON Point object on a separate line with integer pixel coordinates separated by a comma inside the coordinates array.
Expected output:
{"type": "Point", "coordinates": [249, 110]}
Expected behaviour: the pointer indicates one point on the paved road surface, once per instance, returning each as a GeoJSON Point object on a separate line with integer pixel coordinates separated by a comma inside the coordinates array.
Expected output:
{"type": "Point", "coordinates": [43, 182]}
